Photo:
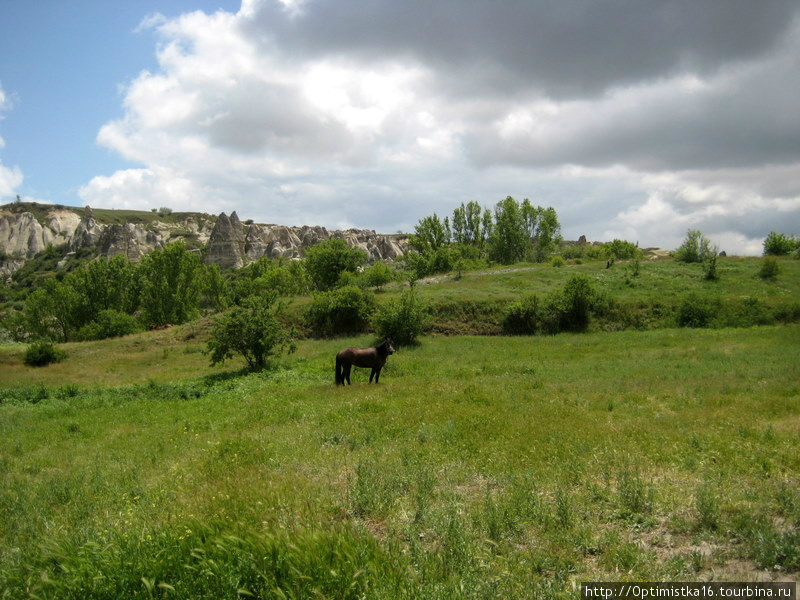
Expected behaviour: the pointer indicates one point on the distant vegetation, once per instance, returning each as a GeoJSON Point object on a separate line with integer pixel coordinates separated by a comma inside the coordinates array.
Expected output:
{"type": "Point", "coordinates": [62, 298]}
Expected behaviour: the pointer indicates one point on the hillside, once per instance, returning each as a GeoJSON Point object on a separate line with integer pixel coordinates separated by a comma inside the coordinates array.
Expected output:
{"type": "Point", "coordinates": [27, 229]}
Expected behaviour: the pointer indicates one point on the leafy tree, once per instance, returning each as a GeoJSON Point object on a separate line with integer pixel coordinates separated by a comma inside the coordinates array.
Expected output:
{"type": "Point", "coordinates": [216, 290]}
{"type": "Point", "coordinates": [779, 244]}
{"type": "Point", "coordinates": [430, 234]}
{"type": "Point", "coordinates": [251, 330]}
{"type": "Point", "coordinates": [544, 230]}
{"type": "Point", "coordinates": [327, 260]}
{"type": "Point", "coordinates": [171, 280]}
{"type": "Point", "coordinates": [622, 250]}
{"type": "Point", "coordinates": [487, 226]}
{"type": "Point", "coordinates": [51, 312]}
{"type": "Point", "coordinates": [467, 224]}
{"type": "Point", "coordinates": [509, 240]}
{"type": "Point", "coordinates": [696, 248]}
{"type": "Point", "coordinates": [104, 284]}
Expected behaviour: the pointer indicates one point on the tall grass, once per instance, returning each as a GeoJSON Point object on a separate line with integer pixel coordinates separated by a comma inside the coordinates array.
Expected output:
{"type": "Point", "coordinates": [478, 468]}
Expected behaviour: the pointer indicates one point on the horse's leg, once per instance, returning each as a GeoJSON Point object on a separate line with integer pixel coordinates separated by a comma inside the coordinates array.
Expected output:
{"type": "Point", "coordinates": [338, 374]}
{"type": "Point", "coordinates": [377, 373]}
{"type": "Point", "coordinates": [371, 374]}
{"type": "Point", "coordinates": [347, 367]}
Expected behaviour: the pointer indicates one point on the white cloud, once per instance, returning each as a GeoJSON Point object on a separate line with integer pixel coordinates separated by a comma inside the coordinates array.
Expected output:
{"type": "Point", "coordinates": [336, 113]}
{"type": "Point", "coordinates": [11, 178]}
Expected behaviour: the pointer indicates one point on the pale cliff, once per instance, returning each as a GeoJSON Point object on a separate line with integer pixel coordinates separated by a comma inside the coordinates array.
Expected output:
{"type": "Point", "coordinates": [27, 229]}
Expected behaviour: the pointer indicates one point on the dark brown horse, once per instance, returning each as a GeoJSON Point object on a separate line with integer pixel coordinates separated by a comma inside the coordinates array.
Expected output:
{"type": "Point", "coordinates": [373, 358]}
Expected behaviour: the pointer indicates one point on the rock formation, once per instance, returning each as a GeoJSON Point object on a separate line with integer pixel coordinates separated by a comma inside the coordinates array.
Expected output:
{"type": "Point", "coordinates": [233, 245]}
{"type": "Point", "coordinates": [27, 229]}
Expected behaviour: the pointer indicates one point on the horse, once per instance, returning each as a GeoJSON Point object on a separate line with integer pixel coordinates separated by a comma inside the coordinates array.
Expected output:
{"type": "Point", "coordinates": [374, 358]}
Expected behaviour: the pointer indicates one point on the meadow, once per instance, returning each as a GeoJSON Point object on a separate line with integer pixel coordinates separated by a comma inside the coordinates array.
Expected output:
{"type": "Point", "coordinates": [480, 467]}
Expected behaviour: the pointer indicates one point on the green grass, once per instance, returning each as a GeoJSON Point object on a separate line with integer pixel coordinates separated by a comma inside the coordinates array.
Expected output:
{"type": "Point", "coordinates": [480, 467]}
{"type": "Point", "coordinates": [475, 303]}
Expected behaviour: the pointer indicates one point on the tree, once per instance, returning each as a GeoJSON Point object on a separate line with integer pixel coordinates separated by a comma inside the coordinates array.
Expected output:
{"type": "Point", "coordinates": [779, 244]}
{"type": "Point", "coordinates": [509, 240]}
{"type": "Point", "coordinates": [104, 284]}
{"type": "Point", "coordinates": [251, 330]}
{"type": "Point", "coordinates": [430, 234]}
{"type": "Point", "coordinates": [378, 275]}
{"type": "Point", "coordinates": [171, 280]}
{"type": "Point", "coordinates": [696, 248]}
{"type": "Point", "coordinates": [51, 311]}
{"type": "Point", "coordinates": [327, 260]}
{"type": "Point", "coordinates": [544, 230]}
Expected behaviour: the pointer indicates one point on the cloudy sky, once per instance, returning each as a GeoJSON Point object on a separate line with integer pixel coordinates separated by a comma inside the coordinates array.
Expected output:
{"type": "Point", "coordinates": [635, 119]}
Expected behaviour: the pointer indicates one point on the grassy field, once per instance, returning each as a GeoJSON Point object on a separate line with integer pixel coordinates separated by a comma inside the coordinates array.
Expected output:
{"type": "Point", "coordinates": [480, 467]}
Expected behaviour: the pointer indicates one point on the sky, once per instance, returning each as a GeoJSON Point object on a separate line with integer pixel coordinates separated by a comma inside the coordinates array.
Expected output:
{"type": "Point", "coordinates": [635, 119]}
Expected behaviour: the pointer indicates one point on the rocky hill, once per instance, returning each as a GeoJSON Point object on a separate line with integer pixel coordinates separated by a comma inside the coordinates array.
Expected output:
{"type": "Point", "coordinates": [28, 228]}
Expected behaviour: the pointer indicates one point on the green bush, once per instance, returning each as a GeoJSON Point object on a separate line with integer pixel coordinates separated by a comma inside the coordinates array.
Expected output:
{"type": "Point", "coordinates": [343, 310]}
{"type": "Point", "coordinates": [769, 269]}
{"type": "Point", "coordinates": [403, 319]}
{"type": "Point", "coordinates": [698, 311]}
{"type": "Point", "coordinates": [109, 323]}
{"type": "Point", "coordinates": [40, 354]}
{"type": "Point", "coordinates": [378, 275]}
{"type": "Point", "coordinates": [523, 317]}
{"type": "Point", "coordinates": [779, 244]}
{"type": "Point", "coordinates": [570, 309]}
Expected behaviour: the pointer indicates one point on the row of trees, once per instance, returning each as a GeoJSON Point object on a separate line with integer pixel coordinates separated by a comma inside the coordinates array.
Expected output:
{"type": "Point", "coordinates": [113, 296]}
{"type": "Point", "coordinates": [513, 232]}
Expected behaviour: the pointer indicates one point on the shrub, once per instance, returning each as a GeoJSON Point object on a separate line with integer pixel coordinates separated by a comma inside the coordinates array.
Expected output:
{"type": "Point", "coordinates": [769, 269]}
{"type": "Point", "coordinates": [779, 244]}
{"type": "Point", "coordinates": [710, 267]}
{"type": "Point", "coordinates": [252, 330]}
{"type": "Point", "coordinates": [109, 323]}
{"type": "Point", "coordinates": [523, 317]}
{"type": "Point", "coordinates": [403, 319]}
{"type": "Point", "coordinates": [570, 309]}
{"type": "Point", "coordinates": [327, 260]}
{"type": "Point", "coordinates": [343, 310]}
{"type": "Point", "coordinates": [40, 354]}
{"type": "Point", "coordinates": [696, 248]}
{"type": "Point", "coordinates": [698, 311]}
{"type": "Point", "coordinates": [378, 275]}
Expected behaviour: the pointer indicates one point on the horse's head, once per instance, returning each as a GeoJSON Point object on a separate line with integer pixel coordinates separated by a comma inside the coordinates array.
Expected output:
{"type": "Point", "coordinates": [389, 345]}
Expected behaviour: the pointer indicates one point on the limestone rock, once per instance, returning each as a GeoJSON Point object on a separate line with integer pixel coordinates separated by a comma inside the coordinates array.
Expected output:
{"type": "Point", "coordinates": [226, 246]}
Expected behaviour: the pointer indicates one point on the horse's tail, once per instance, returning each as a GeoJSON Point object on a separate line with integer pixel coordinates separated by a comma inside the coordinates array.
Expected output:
{"type": "Point", "coordinates": [339, 374]}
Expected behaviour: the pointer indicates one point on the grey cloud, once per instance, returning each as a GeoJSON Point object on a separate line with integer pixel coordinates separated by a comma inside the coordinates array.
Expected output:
{"type": "Point", "coordinates": [569, 48]}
